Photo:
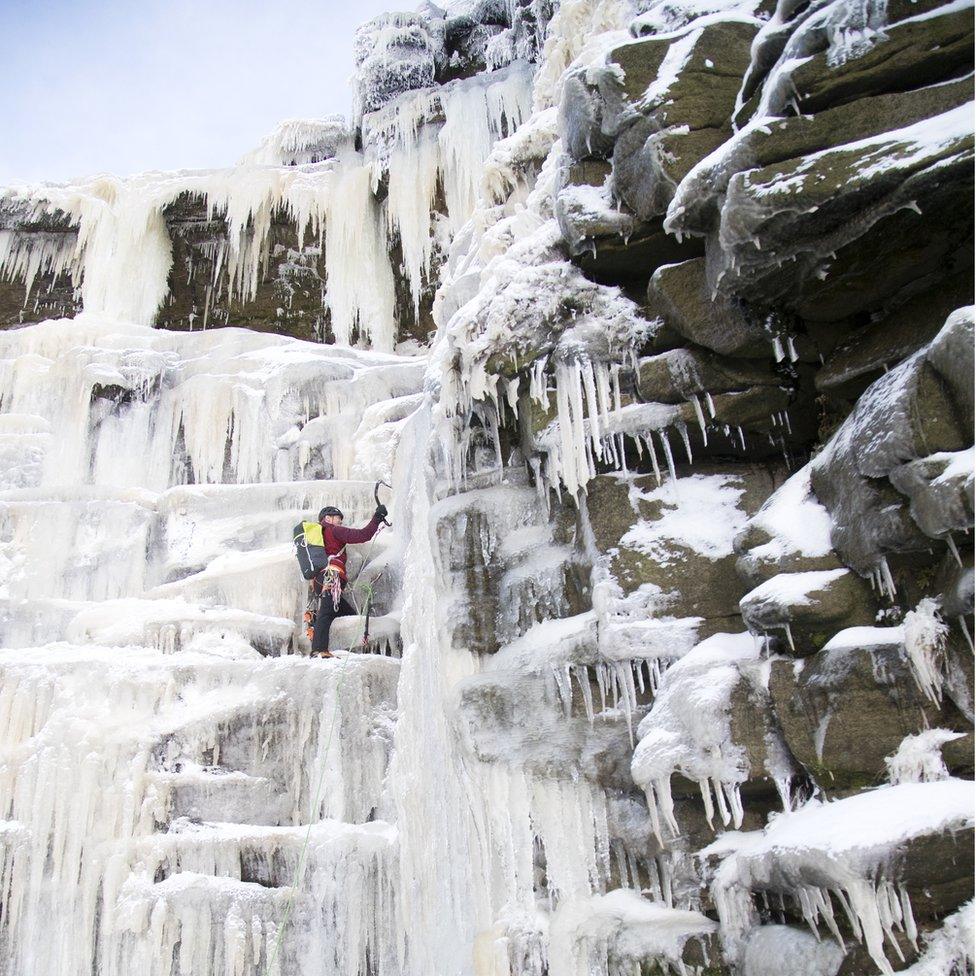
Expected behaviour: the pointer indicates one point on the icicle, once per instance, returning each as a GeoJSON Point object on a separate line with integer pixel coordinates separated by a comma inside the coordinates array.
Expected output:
{"type": "Point", "coordinates": [701, 420]}
{"type": "Point", "coordinates": [666, 444]}
{"type": "Point", "coordinates": [683, 430]}
{"type": "Point", "coordinates": [951, 543]}
{"type": "Point", "coordinates": [925, 641]}
{"type": "Point", "coordinates": [965, 630]}
{"type": "Point", "coordinates": [649, 440]}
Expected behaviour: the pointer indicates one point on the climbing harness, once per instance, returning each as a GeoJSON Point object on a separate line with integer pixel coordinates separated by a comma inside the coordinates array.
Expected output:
{"type": "Point", "coordinates": [332, 584]}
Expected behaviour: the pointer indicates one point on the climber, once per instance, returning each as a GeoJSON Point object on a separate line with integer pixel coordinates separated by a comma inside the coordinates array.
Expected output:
{"type": "Point", "coordinates": [327, 584]}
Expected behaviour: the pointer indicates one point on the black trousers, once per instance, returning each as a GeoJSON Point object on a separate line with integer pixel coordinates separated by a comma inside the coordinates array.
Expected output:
{"type": "Point", "coordinates": [324, 615]}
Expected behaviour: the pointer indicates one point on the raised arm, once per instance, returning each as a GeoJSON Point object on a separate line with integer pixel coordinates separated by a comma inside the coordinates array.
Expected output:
{"type": "Point", "coordinates": [346, 536]}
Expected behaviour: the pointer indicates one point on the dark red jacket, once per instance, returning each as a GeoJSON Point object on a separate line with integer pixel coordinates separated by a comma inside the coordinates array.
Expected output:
{"type": "Point", "coordinates": [337, 537]}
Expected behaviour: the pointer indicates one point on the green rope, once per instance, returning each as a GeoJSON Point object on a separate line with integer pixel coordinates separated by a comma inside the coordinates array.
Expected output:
{"type": "Point", "coordinates": [300, 867]}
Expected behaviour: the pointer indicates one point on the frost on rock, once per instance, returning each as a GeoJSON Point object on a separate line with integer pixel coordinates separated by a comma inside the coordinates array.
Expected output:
{"type": "Point", "coordinates": [298, 142]}
{"type": "Point", "coordinates": [666, 17]}
{"type": "Point", "coordinates": [585, 212]}
{"type": "Point", "coordinates": [837, 856]}
{"type": "Point", "coordinates": [925, 642]}
{"type": "Point", "coordinates": [615, 932]}
{"type": "Point", "coordinates": [687, 731]}
{"type": "Point", "coordinates": [844, 30]}
{"type": "Point", "coordinates": [522, 308]}
{"type": "Point", "coordinates": [395, 53]}
{"type": "Point", "coordinates": [919, 757]}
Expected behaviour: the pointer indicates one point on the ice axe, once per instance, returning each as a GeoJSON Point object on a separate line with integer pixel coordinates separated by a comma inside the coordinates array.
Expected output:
{"type": "Point", "coordinates": [376, 495]}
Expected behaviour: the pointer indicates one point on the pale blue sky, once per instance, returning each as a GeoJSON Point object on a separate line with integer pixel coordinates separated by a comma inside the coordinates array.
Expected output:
{"type": "Point", "coordinates": [127, 85]}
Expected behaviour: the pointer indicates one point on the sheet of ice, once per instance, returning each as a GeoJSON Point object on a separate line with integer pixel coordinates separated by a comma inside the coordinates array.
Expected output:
{"type": "Point", "coordinates": [136, 406]}
{"type": "Point", "coordinates": [437, 140]}
{"type": "Point", "coordinates": [170, 625]}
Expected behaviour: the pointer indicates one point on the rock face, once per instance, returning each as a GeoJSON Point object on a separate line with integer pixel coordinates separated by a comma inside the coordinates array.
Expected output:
{"type": "Point", "coordinates": [658, 319]}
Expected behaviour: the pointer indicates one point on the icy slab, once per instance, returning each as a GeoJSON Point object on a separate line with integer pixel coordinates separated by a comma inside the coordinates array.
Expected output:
{"type": "Point", "coordinates": [842, 849]}
{"type": "Point", "coordinates": [322, 900]}
{"type": "Point", "coordinates": [172, 626]}
{"type": "Point", "coordinates": [383, 637]}
{"type": "Point", "coordinates": [622, 931]}
{"type": "Point", "coordinates": [102, 539]}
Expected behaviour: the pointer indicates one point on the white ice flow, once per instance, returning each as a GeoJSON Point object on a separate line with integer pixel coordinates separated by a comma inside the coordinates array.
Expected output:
{"type": "Point", "coordinates": [165, 774]}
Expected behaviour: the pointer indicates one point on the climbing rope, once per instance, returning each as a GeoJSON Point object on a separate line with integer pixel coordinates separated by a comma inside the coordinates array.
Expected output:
{"type": "Point", "coordinates": [317, 799]}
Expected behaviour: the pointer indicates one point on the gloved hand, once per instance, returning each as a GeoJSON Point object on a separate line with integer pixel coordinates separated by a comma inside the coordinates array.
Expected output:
{"type": "Point", "coordinates": [380, 513]}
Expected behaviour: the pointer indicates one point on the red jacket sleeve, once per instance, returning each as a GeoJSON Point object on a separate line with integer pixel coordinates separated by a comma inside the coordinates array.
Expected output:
{"type": "Point", "coordinates": [345, 536]}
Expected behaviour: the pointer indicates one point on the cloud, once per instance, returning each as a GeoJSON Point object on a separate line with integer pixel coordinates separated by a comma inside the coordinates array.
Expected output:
{"type": "Point", "coordinates": [117, 86]}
